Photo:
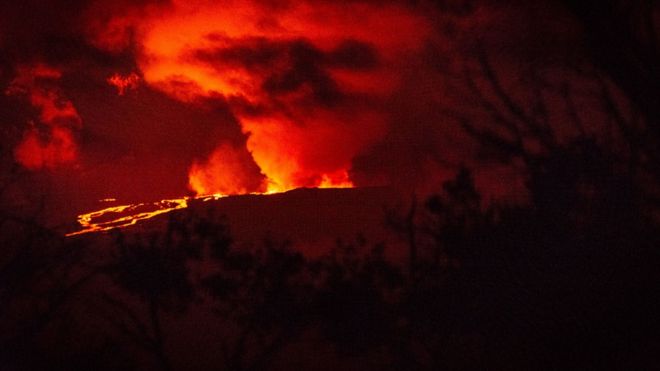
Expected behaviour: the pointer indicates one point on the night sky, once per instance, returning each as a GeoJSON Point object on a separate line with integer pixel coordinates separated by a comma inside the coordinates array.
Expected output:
{"type": "Point", "coordinates": [140, 101]}
{"type": "Point", "coordinates": [329, 184]}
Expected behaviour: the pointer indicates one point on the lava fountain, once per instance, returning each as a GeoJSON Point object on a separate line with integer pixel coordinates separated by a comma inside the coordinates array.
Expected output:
{"type": "Point", "coordinates": [306, 81]}
{"type": "Point", "coordinates": [306, 84]}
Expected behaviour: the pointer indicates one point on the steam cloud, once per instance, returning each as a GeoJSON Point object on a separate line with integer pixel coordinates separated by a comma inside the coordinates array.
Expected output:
{"type": "Point", "coordinates": [49, 142]}
{"type": "Point", "coordinates": [306, 82]}
{"type": "Point", "coordinates": [243, 96]}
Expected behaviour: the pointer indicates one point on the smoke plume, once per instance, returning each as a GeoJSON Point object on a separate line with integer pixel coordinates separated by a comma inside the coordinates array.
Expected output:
{"type": "Point", "coordinates": [307, 82]}
{"type": "Point", "coordinates": [49, 141]}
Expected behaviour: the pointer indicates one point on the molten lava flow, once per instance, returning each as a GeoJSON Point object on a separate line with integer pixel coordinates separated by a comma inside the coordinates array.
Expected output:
{"type": "Point", "coordinates": [306, 81]}
{"type": "Point", "coordinates": [127, 215]}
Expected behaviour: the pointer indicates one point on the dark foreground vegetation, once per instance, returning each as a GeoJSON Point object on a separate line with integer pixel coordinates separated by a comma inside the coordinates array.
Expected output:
{"type": "Point", "coordinates": [570, 280]}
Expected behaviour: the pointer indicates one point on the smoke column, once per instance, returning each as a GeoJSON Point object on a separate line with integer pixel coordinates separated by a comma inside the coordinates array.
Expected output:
{"type": "Point", "coordinates": [306, 82]}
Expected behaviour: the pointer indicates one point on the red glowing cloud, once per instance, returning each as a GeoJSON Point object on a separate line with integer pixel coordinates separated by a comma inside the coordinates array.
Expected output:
{"type": "Point", "coordinates": [50, 142]}
{"type": "Point", "coordinates": [223, 173]}
{"type": "Point", "coordinates": [124, 83]}
{"type": "Point", "coordinates": [306, 82]}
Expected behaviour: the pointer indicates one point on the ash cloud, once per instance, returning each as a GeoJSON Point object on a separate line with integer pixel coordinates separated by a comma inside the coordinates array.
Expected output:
{"type": "Point", "coordinates": [276, 94]}
{"type": "Point", "coordinates": [307, 82]}
{"type": "Point", "coordinates": [286, 66]}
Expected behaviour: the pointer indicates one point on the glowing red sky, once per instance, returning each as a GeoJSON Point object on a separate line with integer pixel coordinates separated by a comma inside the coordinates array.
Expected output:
{"type": "Point", "coordinates": [303, 80]}
{"type": "Point", "coordinates": [153, 99]}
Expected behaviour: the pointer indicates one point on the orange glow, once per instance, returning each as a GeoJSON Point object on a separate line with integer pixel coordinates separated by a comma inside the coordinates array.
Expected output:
{"type": "Point", "coordinates": [339, 180]}
{"type": "Point", "coordinates": [303, 128]}
{"type": "Point", "coordinates": [223, 173]}
{"type": "Point", "coordinates": [125, 215]}
{"type": "Point", "coordinates": [310, 151]}
{"type": "Point", "coordinates": [52, 143]}
{"type": "Point", "coordinates": [300, 78]}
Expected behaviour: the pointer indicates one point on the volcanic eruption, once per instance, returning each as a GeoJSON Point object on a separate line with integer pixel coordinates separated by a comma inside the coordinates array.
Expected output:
{"type": "Point", "coordinates": [305, 81]}
{"type": "Point", "coordinates": [186, 99]}
{"type": "Point", "coordinates": [308, 86]}
{"type": "Point", "coordinates": [329, 184]}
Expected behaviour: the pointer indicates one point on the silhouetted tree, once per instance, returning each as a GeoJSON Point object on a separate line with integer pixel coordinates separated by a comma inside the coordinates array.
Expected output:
{"type": "Point", "coordinates": [154, 269]}
{"type": "Point", "coordinates": [41, 274]}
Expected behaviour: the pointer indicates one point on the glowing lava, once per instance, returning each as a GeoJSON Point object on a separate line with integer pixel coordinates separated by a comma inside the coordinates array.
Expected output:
{"type": "Point", "coordinates": [305, 80]}
{"type": "Point", "coordinates": [127, 215]}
